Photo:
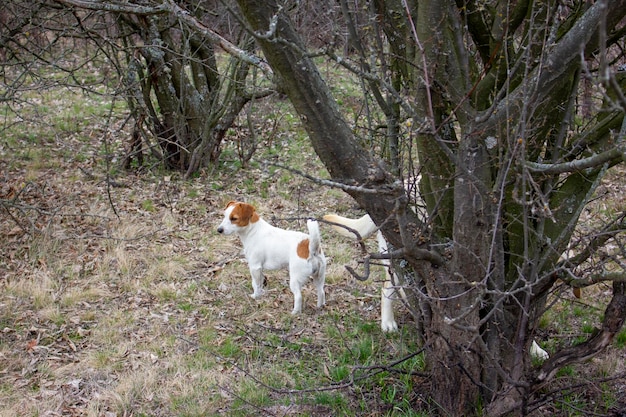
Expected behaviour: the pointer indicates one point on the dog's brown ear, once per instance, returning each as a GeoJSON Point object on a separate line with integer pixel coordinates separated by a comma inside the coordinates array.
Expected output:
{"type": "Point", "coordinates": [230, 203]}
{"type": "Point", "coordinates": [249, 212]}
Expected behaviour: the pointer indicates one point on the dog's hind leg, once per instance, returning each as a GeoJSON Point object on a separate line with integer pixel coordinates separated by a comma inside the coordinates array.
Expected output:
{"type": "Point", "coordinates": [318, 280]}
{"type": "Point", "coordinates": [295, 284]}
{"type": "Point", "coordinates": [387, 319]}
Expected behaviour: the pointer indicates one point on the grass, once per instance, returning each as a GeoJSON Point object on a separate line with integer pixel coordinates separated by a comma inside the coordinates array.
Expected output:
{"type": "Point", "coordinates": [132, 304]}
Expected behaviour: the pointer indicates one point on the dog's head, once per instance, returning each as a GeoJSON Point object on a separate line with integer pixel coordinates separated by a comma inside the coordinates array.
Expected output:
{"type": "Point", "coordinates": [237, 216]}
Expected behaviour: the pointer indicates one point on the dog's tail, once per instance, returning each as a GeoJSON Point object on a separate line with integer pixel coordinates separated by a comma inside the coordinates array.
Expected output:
{"type": "Point", "coordinates": [315, 241]}
{"type": "Point", "coordinates": [364, 226]}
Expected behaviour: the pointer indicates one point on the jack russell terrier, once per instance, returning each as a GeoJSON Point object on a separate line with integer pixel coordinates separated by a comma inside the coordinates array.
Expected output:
{"type": "Point", "coordinates": [365, 226]}
{"type": "Point", "coordinates": [268, 247]}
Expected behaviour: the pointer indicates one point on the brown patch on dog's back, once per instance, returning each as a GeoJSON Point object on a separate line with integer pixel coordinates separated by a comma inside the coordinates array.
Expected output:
{"type": "Point", "coordinates": [243, 214]}
{"type": "Point", "coordinates": [303, 249]}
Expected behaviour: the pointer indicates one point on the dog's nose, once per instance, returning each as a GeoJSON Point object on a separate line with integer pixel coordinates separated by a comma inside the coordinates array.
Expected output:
{"type": "Point", "coordinates": [220, 229]}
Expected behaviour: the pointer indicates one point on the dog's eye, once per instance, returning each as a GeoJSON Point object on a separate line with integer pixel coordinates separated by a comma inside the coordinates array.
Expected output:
{"type": "Point", "coordinates": [233, 218]}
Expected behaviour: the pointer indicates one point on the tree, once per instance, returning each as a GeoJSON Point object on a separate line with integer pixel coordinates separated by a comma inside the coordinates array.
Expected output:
{"type": "Point", "coordinates": [163, 60]}
{"type": "Point", "coordinates": [507, 165]}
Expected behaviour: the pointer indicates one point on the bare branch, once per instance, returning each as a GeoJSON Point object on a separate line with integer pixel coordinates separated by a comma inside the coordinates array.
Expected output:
{"type": "Point", "coordinates": [219, 40]}
{"type": "Point", "coordinates": [366, 263]}
{"type": "Point", "coordinates": [334, 184]}
{"type": "Point", "coordinates": [613, 321]}
{"type": "Point", "coordinates": [610, 156]}
{"type": "Point", "coordinates": [169, 6]}
{"type": "Point", "coordinates": [115, 7]}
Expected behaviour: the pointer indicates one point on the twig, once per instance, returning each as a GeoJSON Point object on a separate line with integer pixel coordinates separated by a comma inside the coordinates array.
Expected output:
{"type": "Point", "coordinates": [561, 391]}
{"type": "Point", "coordinates": [219, 265]}
{"type": "Point", "coordinates": [334, 184]}
{"type": "Point", "coordinates": [366, 262]}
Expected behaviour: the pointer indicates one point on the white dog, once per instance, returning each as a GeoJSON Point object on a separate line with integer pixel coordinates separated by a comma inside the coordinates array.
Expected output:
{"type": "Point", "coordinates": [365, 226]}
{"type": "Point", "coordinates": [268, 247]}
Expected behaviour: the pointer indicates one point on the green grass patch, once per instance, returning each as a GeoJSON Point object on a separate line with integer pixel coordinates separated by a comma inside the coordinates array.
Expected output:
{"type": "Point", "coordinates": [148, 205]}
{"type": "Point", "coordinates": [620, 339]}
{"type": "Point", "coordinates": [332, 400]}
{"type": "Point", "coordinates": [229, 348]}
{"type": "Point", "coordinates": [250, 393]}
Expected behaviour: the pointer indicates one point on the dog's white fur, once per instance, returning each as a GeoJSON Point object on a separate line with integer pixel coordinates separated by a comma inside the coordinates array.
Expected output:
{"type": "Point", "coordinates": [538, 353]}
{"type": "Point", "coordinates": [366, 227]}
{"type": "Point", "coordinates": [267, 248]}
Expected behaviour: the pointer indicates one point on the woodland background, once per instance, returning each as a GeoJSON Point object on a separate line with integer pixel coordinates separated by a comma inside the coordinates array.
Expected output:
{"type": "Point", "coordinates": [118, 297]}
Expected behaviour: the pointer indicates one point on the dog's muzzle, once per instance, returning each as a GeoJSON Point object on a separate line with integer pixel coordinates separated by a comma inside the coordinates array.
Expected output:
{"type": "Point", "coordinates": [220, 229]}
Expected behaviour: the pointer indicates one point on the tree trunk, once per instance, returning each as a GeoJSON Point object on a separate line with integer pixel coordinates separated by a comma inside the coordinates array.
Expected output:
{"type": "Point", "coordinates": [332, 138]}
{"type": "Point", "coordinates": [181, 95]}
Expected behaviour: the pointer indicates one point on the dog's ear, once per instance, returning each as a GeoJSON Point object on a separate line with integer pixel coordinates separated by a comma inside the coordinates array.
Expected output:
{"type": "Point", "coordinates": [249, 212]}
{"type": "Point", "coordinates": [230, 203]}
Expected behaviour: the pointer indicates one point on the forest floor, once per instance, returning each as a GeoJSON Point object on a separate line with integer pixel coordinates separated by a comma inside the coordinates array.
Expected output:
{"type": "Point", "coordinates": [119, 298]}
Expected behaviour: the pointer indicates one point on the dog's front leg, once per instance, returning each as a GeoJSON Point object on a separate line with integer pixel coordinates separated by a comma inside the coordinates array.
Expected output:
{"type": "Point", "coordinates": [257, 282]}
{"type": "Point", "coordinates": [387, 319]}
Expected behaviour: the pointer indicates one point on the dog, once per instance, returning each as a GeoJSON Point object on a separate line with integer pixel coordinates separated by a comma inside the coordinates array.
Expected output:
{"type": "Point", "coordinates": [366, 227]}
{"type": "Point", "coordinates": [268, 248]}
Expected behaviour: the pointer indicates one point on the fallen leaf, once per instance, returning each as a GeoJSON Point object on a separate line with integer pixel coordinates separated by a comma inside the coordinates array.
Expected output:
{"type": "Point", "coordinates": [31, 345]}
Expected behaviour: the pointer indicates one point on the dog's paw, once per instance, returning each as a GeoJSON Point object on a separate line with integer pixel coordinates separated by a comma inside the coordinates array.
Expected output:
{"type": "Point", "coordinates": [295, 312]}
{"type": "Point", "coordinates": [257, 294]}
{"type": "Point", "coordinates": [389, 326]}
